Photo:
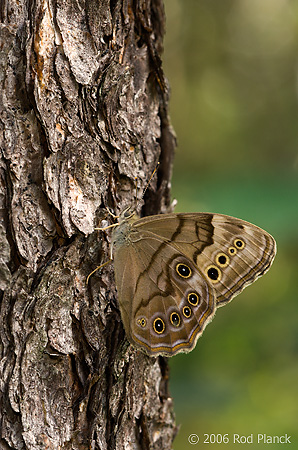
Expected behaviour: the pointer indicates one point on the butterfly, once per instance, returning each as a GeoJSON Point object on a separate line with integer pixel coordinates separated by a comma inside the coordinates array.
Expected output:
{"type": "Point", "coordinates": [173, 271]}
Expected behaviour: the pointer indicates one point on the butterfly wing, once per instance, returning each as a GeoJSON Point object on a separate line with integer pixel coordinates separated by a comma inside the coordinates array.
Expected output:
{"type": "Point", "coordinates": [230, 252]}
{"type": "Point", "coordinates": [165, 301]}
{"type": "Point", "coordinates": [173, 270]}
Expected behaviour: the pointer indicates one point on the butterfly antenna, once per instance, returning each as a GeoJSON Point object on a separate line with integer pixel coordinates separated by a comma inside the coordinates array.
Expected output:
{"type": "Point", "coordinates": [149, 181]}
{"type": "Point", "coordinates": [136, 180]}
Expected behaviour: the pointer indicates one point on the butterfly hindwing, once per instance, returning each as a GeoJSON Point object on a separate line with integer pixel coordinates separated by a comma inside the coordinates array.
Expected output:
{"type": "Point", "coordinates": [166, 302]}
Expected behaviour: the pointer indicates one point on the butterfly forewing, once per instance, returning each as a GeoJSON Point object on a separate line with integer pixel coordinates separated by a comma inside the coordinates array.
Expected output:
{"type": "Point", "coordinates": [230, 252]}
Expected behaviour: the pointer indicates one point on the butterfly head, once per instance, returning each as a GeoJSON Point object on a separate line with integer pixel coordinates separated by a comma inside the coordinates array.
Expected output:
{"type": "Point", "coordinates": [128, 214]}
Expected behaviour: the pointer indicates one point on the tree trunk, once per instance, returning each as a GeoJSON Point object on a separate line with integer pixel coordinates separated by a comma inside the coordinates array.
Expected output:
{"type": "Point", "coordinates": [83, 112]}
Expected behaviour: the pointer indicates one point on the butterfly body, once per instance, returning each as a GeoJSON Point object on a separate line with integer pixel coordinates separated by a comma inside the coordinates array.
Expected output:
{"type": "Point", "coordinates": [173, 271]}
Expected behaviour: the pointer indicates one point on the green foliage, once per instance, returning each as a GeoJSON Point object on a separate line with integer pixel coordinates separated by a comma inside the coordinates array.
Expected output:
{"type": "Point", "coordinates": [232, 67]}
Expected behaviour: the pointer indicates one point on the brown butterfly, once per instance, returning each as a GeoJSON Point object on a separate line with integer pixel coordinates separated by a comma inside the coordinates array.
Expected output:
{"type": "Point", "coordinates": [173, 271]}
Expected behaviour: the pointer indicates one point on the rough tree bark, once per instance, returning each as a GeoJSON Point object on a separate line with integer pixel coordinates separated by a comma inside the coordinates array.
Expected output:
{"type": "Point", "coordinates": [83, 112]}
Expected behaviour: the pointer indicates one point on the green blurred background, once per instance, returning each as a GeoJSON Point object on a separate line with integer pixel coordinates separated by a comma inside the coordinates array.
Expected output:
{"type": "Point", "coordinates": [232, 66]}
